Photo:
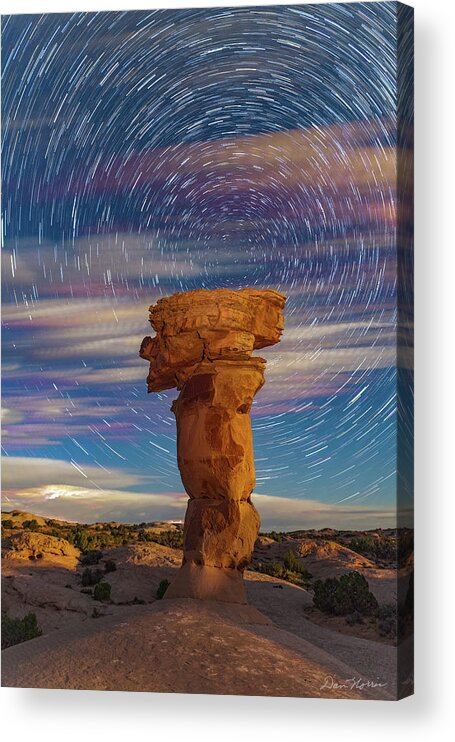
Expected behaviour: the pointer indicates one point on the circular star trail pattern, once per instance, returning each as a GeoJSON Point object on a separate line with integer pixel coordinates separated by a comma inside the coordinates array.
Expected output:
{"type": "Point", "coordinates": [151, 152]}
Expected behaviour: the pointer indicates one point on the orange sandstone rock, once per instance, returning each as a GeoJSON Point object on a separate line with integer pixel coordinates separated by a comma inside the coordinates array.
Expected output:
{"type": "Point", "coordinates": [204, 324]}
{"type": "Point", "coordinates": [203, 347]}
{"type": "Point", "coordinates": [39, 546]}
{"type": "Point", "coordinates": [214, 437]}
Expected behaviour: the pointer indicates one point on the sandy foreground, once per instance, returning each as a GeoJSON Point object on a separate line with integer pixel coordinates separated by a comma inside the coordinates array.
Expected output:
{"type": "Point", "coordinates": [183, 646]}
{"type": "Point", "coordinates": [138, 643]}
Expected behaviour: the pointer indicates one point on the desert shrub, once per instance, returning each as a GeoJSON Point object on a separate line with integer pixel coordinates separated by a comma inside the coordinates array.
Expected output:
{"type": "Point", "coordinates": [274, 569]}
{"type": "Point", "coordinates": [7, 523]}
{"type": "Point", "coordinates": [102, 592]}
{"type": "Point", "coordinates": [291, 570]}
{"type": "Point", "coordinates": [30, 525]}
{"type": "Point", "coordinates": [161, 589]}
{"type": "Point", "coordinates": [105, 536]}
{"type": "Point", "coordinates": [110, 566]}
{"type": "Point", "coordinates": [80, 539]}
{"type": "Point", "coordinates": [386, 610]}
{"type": "Point", "coordinates": [387, 627]}
{"type": "Point", "coordinates": [292, 563]}
{"type": "Point", "coordinates": [343, 595]}
{"type": "Point", "coordinates": [384, 548]}
{"type": "Point", "coordinates": [18, 630]}
{"type": "Point", "coordinates": [387, 620]}
{"type": "Point", "coordinates": [86, 590]}
{"type": "Point", "coordinates": [276, 536]}
{"type": "Point", "coordinates": [354, 618]}
{"type": "Point", "coordinates": [361, 545]}
{"type": "Point", "coordinates": [91, 557]}
{"type": "Point", "coordinates": [173, 539]}
{"type": "Point", "coordinates": [91, 577]}
{"type": "Point", "coordinates": [325, 594]}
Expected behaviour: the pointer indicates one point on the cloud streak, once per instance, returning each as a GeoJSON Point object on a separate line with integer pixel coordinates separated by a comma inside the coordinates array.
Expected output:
{"type": "Point", "coordinates": [88, 506]}
{"type": "Point", "coordinates": [21, 471]}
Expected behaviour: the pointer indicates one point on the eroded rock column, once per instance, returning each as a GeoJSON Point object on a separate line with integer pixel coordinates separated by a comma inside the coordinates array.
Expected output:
{"type": "Point", "coordinates": [203, 347]}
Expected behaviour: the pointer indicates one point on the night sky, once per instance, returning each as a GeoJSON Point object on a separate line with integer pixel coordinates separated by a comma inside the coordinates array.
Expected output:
{"type": "Point", "coordinates": [149, 152]}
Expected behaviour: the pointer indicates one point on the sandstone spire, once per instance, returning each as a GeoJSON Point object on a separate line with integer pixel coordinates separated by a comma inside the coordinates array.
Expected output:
{"type": "Point", "coordinates": [203, 347]}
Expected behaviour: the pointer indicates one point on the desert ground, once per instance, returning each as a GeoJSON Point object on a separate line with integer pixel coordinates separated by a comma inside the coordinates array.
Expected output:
{"type": "Point", "coordinates": [281, 644]}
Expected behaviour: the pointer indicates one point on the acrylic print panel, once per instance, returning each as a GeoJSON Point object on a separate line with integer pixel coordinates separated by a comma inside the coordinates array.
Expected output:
{"type": "Point", "coordinates": [246, 173]}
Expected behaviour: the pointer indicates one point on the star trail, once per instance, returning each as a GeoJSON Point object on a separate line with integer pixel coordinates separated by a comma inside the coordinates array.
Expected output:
{"type": "Point", "coordinates": [148, 152]}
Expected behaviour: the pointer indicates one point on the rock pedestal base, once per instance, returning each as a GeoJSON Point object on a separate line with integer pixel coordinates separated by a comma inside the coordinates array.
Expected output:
{"type": "Point", "coordinates": [208, 583]}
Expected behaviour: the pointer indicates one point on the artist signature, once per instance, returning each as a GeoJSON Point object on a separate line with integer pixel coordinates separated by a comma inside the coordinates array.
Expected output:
{"type": "Point", "coordinates": [349, 684]}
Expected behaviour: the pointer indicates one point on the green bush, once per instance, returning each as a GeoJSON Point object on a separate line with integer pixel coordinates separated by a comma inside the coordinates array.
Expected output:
{"type": "Point", "coordinates": [18, 630]}
{"type": "Point", "coordinates": [173, 539]}
{"type": "Point", "coordinates": [91, 557]}
{"type": "Point", "coordinates": [110, 566]}
{"type": "Point", "coordinates": [7, 523]}
{"type": "Point", "coordinates": [274, 569]}
{"type": "Point", "coordinates": [354, 618]}
{"type": "Point", "coordinates": [291, 570]}
{"type": "Point", "coordinates": [384, 548]}
{"type": "Point", "coordinates": [81, 539]}
{"type": "Point", "coordinates": [102, 592]}
{"type": "Point", "coordinates": [276, 536]}
{"type": "Point", "coordinates": [30, 525]}
{"type": "Point", "coordinates": [162, 587]}
{"type": "Point", "coordinates": [292, 563]}
{"type": "Point", "coordinates": [325, 595]}
{"type": "Point", "coordinates": [344, 595]}
{"type": "Point", "coordinates": [386, 610]}
{"type": "Point", "coordinates": [91, 577]}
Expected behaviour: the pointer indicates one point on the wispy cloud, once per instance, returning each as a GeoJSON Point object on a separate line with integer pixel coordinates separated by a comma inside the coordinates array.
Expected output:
{"type": "Point", "coordinates": [22, 471]}
{"type": "Point", "coordinates": [85, 347]}
{"type": "Point", "coordinates": [89, 505]}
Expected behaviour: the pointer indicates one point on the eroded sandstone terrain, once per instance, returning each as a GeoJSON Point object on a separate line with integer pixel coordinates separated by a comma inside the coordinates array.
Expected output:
{"type": "Point", "coordinates": [281, 644]}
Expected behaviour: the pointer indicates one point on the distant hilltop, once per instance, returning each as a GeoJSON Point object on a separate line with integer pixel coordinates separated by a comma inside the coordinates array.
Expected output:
{"type": "Point", "coordinates": [21, 517]}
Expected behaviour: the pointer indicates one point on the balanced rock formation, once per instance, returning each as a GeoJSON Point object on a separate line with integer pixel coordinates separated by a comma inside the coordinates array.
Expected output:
{"type": "Point", "coordinates": [203, 347]}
